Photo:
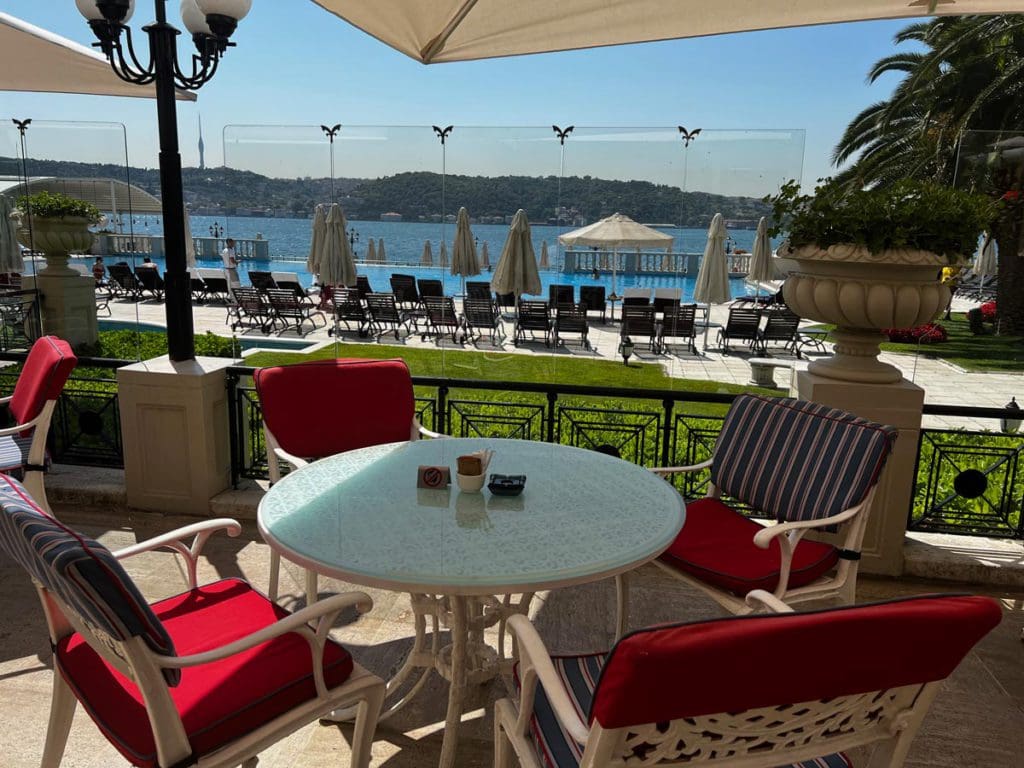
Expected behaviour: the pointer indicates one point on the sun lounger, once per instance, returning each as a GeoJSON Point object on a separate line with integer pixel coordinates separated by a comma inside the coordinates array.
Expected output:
{"type": "Point", "coordinates": [532, 317]}
{"type": "Point", "coordinates": [679, 322]}
{"type": "Point", "coordinates": [571, 318]}
{"type": "Point", "coordinates": [123, 281]}
{"type": "Point", "coordinates": [441, 318]}
{"type": "Point", "coordinates": [295, 309]}
{"type": "Point", "coordinates": [743, 324]}
{"type": "Point", "coordinates": [386, 316]}
{"type": "Point", "coordinates": [363, 286]}
{"type": "Point", "coordinates": [150, 280]}
{"type": "Point", "coordinates": [348, 308]}
{"type": "Point", "coordinates": [667, 297]}
{"type": "Point", "coordinates": [249, 308]}
{"type": "Point", "coordinates": [479, 290]}
{"type": "Point", "coordinates": [636, 297]}
{"type": "Point", "coordinates": [483, 315]}
{"type": "Point", "coordinates": [782, 327]}
{"type": "Point", "coordinates": [216, 282]}
{"type": "Point", "coordinates": [639, 322]}
{"type": "Point", "coordinates": [592, 296]}
{"type": "Point", "coordinates": [561, 294]}
{"type": "Point", "coordinates": [261, 280]}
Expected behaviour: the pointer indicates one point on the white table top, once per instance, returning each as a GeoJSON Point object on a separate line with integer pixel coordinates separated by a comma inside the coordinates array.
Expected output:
{"type": "Point", "coordinates": [359, 516]}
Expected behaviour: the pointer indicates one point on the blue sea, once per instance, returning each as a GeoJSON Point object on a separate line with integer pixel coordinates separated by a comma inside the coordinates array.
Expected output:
{"type": "Point", "coordinates": [289, 245]}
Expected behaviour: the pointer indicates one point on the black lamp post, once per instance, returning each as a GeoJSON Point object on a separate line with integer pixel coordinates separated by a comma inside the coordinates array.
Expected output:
{"type": "Point", "coordinates": [626, 349]}
{"type": "Point", "coordinates": [353, 238]}
{"type": "Point", "coordinates": [216, 230]}
{"type": "Point", "coordinates": [1007, 424]}
{"type": "Point", "coordinates": [211, 23]}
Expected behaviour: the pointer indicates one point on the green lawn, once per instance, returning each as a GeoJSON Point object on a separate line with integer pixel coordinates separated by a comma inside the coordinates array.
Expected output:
{"type": "Point", "coordinates": [991, 353]}
{"type": "Point", "coordinates": [504, 366]}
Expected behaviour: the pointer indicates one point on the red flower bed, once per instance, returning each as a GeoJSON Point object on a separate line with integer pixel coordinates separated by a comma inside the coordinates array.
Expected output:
{"type": "Point", "coordinates": [931, 333]}
{"type": "Point", "coordinates": [988, 311]}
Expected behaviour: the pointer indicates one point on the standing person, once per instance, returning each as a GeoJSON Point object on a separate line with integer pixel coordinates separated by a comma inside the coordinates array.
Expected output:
{"type": "Point", "coordinates": [230, 262]}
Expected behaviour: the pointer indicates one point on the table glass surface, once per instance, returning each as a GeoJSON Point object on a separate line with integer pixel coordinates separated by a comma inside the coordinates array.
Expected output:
{"type": "Point", "coordinates": [360, 515]}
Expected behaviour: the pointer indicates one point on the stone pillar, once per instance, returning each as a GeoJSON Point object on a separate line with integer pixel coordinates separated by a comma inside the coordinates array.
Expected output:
{"type": "Point", "coordinates": [174, 424]}
{"type": "Point", "coordinates": [900, 405]}
{"type": "Point", "coordinates": [68, 305]}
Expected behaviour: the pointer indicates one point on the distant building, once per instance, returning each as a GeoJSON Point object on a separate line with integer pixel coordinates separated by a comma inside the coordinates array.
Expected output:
{"type": "Point", "coordinates": [202, 147]}
{"type": "Point", "coordinates": [391, 216]}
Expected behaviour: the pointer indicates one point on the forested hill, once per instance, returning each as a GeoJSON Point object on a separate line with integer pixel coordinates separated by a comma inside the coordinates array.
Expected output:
{"type": "Point", "coordinates": [418, 194]}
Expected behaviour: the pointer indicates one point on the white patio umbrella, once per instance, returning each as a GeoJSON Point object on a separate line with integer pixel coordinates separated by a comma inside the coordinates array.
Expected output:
{"type": "Point", "coordinates": [517, 267]}
{"type": "Point", "coordinates": [761, 268]}
{"type": "Point", "coordinates": [713, 278]}
{"type": "Point", "coordinates": [337, 266]}
{"type": "Point", "coordinates": [381, 254]}
{"type": "Point", "coordinates": [316, 247]}
{"type": "Point", "coordinates": [427, 259]}
{"type": "Point", "coordinates": [10, 252]}
{"type": "Point", "coordinates": [190, 243]}
{"type": "Point", "coordinates": [442, 257]}
{"type": "Point", "coordinates": [617, 231]}
{"type": "Point", "coordinates": [985, 263]}
{"type": "Point", "coordinates": [432, 31]}
{"type": "Point", "coordinates": [545, 262]}
{"type": "Point", "coordinates": [464, 263]}
{"type": "Point", "coordinates": [371, 252]}
{"type": "Point", "coordinates": [36, 60]}
{"type": "Point", "coordinates": [485, 257]}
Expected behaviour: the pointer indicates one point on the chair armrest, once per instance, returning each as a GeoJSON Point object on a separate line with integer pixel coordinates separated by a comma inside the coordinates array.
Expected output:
{"type": "Point", "coordinates": [666, 471]}
{"type": "Point", "coordinates": [763, 538]}
{"type": "Point", "coordinates": [759, 598]}
{"type": "Point", "coordinates": [295, 461]}
{"type": "Point", "coordinates": [6, 400]}
{"type": "Point", "coordinates": [419, 430]}
{"type": "Point", "coordinates": [174, 541]}
{"type": "Point", "coordinates": [535, 665]}
{"type": "Point", "coordinates": [17, 429]}
{"type": "Point", "coordinates": [323, 611]}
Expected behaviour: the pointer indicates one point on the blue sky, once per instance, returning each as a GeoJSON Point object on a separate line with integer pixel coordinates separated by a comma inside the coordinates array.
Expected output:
{"type": "Point", "coordinates": [295, 64]}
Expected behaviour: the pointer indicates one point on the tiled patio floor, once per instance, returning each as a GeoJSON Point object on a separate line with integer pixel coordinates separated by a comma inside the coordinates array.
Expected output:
{"type": "Point", "coordinates": [978, 720]}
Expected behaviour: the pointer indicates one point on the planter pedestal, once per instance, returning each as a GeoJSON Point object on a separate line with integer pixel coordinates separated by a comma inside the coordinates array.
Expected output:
{"type": "Point", "coordinates": [901, 405]}
{"type": "Point", "coordinates": [68, 305]}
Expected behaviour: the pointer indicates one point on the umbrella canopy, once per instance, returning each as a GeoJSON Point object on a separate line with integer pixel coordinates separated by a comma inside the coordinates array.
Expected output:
{"type": "Point", "coordinates": [485, 257]}
{"type": "Point", "coordinates": [442, 258]}
{"type": "Point", "coordinates": [36, 60]}
{"type": "Point", "coordinates": [464, 261]}
{"type": "Point", "coordinates": [761, 268]}
{"type": "Point", "coordinates": [316, 247]}
{"type": "Point", "coordinates": [190, 244]}
{"type": "Point", "coordinates": [456, 30]}
{"type": "Point", "coordinates": [545, 260]}
{"type": "Point", "coordinates": [381, 254]}
{"type": "Point", "coordinates": [517, 267]}
{"type": "Point", "coordinates": [427, 259]}
{"type": "Point", "coordinates": [10, 251]}
{"type": "Point", "coordinates": [337, 267]}
{"type": "Point", "coordinates": [985, 264]}
{"type": "Point", "coordinates": [371, 252]}
{"type": "Point", "coordinates": [713, 278]}
{"type": "Point", "coordinates": [617, 231]}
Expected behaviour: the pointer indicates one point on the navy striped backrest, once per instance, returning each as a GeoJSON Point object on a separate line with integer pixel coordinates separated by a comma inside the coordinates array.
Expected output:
{"type": "Point", "coordinates": [83, 573]}
{"type": "Point", "coordinates": [796, 460]}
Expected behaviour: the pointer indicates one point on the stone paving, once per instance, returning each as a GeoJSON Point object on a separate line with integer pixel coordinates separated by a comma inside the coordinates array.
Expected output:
{"type": "Point", "coordinates": [943, 383]}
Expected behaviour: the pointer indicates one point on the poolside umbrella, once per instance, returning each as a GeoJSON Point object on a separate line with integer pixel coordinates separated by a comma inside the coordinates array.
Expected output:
{"type": "Point", "coordinates": [485, 257]}
{"type": "Point", "coordinates": [10, 252]}
{"type": "Point", "coordinates": [985, 262]}
{"type": "Point", "coordinates": [442, 257]}
{"type": "Point", "coordinates": [371, 252]}
{"type": "Point", "coordinates": [316, 247]}
{"type": "Point", "coordinates": [545, 262]}
{"type": "Point", "coordinates": [713, 278]}
{"type": "Point", "coordinates": [617, 231]}
{"type": "Point", "coordinates": [761, 268]}
{"type": "Point", "coordinates": [190, 244]}
{"type": "Point", "coordinates": [517, 267]}
{"type": "Point", "coordinates": [381, 255]}
{"type": "Point", "coordinates": [464, 263]}
{"type": "Point", "coordinates": [337, 266]}
{"type": "Point", "coordinates": [427, 259]}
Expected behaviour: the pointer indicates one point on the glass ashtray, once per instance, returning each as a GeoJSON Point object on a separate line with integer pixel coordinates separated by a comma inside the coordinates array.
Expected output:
{"type": "Point", "coordinates": [507, 485]}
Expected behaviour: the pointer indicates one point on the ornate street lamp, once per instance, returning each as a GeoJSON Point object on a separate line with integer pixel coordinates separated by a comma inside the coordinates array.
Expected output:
{"type": "Point", "coordinates": [626, 349]}
{"type": "Point", "coordinates": [353, 238]}
{"type": "Point", "coordinates": [211, 23]}
{"type": "Point", "coordinates": [216, 230]}
{"type": "Point", "coordinates": [1007, 424]}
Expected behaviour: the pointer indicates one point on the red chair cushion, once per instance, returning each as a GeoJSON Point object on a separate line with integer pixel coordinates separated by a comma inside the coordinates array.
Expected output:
{"type": "Point", "coordinates": [42, 378]}
{"type": "Point", "coordinates": [324, 407]}
{"type": "Point", "coordinates": [739, 663]}
{"type": "Point", "coordinates": [717, 546]}
{"type": "Point", "coordinates": [218, 702]}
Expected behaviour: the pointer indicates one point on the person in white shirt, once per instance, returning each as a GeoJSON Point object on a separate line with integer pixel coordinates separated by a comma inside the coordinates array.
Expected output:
{"type": "Point", "coordinates": [230, 262]}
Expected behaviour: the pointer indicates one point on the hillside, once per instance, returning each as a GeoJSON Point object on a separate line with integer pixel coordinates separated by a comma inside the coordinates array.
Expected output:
{"type": "Point", "coordinates": [417, 195]}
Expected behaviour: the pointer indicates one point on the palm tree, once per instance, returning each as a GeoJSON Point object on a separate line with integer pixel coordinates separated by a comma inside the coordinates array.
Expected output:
{"type": "Point", "coordinates": [966, 76]}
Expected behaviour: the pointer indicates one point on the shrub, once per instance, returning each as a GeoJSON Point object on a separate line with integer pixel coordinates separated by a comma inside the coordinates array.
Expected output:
{"type": "Point", "coordinates": [930, 333]}
{"type": "Point", "coordinates": [53, 205]}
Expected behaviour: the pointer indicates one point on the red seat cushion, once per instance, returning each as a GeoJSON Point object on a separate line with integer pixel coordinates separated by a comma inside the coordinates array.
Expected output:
{"type": "Point", "coordinates": [218, 702]}
{"type": "Point", "coordinates": [47, 367]}
{"type": "Point", "coordinates": [717, 546]}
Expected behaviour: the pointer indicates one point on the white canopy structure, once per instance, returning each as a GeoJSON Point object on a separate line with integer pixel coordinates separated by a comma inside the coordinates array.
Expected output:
{"type": "Point", "coordinates": [617, 231]}
{"type": "Point", "coordinates": [35, 60]}
{"type": "Point", "coordinates": [434, 31]}
{"type": "Point", "coordinates": [110, 195]}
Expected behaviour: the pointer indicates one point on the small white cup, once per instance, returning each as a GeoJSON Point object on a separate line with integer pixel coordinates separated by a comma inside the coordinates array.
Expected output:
{"type": "Point", "coordinates": [470, 483]}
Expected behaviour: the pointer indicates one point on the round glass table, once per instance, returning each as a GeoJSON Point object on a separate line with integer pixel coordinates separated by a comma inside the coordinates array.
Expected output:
{"type": "Point", "coordinates": [360, 517]}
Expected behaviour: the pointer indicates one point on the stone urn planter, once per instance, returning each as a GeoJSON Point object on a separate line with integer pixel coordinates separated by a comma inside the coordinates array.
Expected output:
{"type": "Point", "coordinates": [861, 293]}
{"type": "Point", "coordinates": [57, 238]}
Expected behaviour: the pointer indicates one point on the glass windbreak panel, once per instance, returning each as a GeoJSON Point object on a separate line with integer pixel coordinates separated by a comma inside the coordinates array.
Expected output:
{"type": "Point", "coordinates": [65, 285]}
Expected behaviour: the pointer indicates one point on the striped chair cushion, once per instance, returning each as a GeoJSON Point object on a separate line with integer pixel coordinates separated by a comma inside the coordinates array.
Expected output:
{"type": "Point", "coordinates": [80, 571]}
{"type": "Point", "coordinates": [14, 455]}
{"type": "Point", "coordinates": [579, 676]}
{"type": "Point", "coordinates": [796, 460]}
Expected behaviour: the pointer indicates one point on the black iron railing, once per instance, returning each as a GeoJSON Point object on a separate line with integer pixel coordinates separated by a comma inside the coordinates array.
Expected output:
{"type": "Point", "coordinates": [967, 482]}
{"type": "Point", "coordinates": [86, 425]}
